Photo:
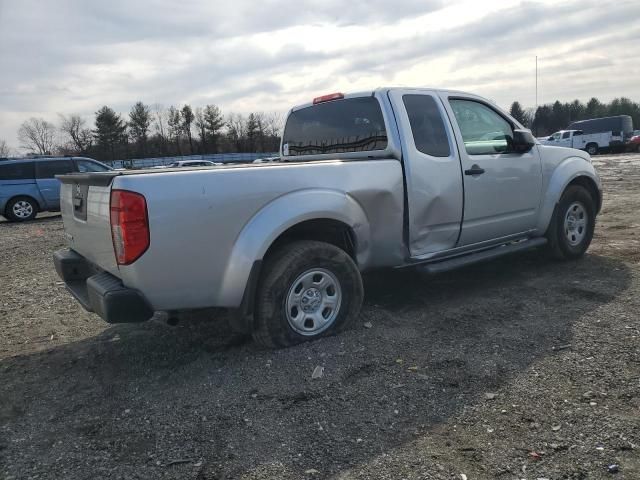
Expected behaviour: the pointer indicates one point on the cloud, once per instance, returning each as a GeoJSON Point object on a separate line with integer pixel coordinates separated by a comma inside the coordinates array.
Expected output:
{"type": "Point", "coordinates": [72, 56]}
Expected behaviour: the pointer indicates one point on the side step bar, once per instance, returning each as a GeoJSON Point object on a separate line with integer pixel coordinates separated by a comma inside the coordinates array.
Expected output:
{"type": "Point", "coordinates": [471, 258]}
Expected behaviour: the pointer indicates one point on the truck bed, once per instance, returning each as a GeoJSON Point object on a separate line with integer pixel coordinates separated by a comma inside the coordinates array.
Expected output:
{"type": "Point", "coordinates": [203, 221]}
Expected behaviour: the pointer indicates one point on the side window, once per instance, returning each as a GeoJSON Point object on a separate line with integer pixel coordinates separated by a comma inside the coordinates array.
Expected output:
{"type": "Point", "coordinates": [484, 131]}
{"type": "Point", "coordinates": [427, 126]}
{"type": "Point", "coordinates": [17, 171]}
{"type": "Point", "coordinates": [566, 134]}
{"type": "Point", "coordinates": [555, 136]}
{"type": "Point", "coordinates": [51, 168]}
{"type": "Point", "coordinates": [577, 133]}
{"type": "Point", "coordinates": [88, 166]}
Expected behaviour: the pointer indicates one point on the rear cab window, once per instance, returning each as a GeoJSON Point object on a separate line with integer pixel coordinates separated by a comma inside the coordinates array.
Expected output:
{"type": "Point", "coordinates": [16, 171]}
{"type": "Point", "coordinates": [427, 127]}
{"type": "Point", "coordinates": [339, 126]}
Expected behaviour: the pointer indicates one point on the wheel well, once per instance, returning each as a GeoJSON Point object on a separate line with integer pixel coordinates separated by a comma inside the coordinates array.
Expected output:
{"type": "Point", "coordinates": [591, 187]}
{"type": "Point", "coordinates": [6, 205]}
{"type": "Point", "coordinates": [324, 230]}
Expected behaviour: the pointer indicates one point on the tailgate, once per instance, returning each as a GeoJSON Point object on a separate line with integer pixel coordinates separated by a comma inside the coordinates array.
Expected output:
{"type": "Point", "coordinates": [84, 202]}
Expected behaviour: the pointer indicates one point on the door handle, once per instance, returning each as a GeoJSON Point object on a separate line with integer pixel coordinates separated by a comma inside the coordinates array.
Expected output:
{"type": "Point", "coordinates": [474, 170]}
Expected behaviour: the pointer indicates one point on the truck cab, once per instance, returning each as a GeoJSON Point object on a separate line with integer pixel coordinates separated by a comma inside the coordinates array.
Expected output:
{"type": "Point", "coordinates": [591, 143]}
{"type": "Point", "coordinates": [565, 138]}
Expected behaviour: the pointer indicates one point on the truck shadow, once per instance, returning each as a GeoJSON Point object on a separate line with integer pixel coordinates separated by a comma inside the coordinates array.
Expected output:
{"type": "Point", "coordinates": [423, 350]}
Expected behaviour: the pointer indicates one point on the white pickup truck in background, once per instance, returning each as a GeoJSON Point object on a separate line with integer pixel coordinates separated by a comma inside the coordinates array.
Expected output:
{"type": "Point", "coordinates": [390, 178]}
{"type": "Point", "coordinates": [591, 143]}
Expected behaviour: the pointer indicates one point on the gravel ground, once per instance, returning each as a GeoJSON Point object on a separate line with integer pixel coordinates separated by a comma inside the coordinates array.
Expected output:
{"type": "Point", "coordinates": [517, 369]}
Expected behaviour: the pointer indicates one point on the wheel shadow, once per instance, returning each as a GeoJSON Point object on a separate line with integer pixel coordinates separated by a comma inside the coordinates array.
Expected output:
{"type": "Point", "coordinates": [139, 396]}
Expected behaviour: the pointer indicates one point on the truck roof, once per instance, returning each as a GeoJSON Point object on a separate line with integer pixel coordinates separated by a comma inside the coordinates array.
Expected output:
{"type": "Point", "coordinates": [367, 93]}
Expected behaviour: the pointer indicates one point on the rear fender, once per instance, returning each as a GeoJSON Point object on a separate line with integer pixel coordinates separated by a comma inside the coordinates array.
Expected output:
{"type": "Point", "coordinates": [278, 216]}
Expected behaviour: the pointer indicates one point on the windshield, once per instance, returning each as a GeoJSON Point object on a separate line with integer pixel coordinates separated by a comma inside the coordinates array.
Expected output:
{"type": "Point", "coordinates": [351, 125]}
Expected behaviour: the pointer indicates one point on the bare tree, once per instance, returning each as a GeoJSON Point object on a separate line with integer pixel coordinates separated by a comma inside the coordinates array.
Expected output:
{"type": "Point", "coordinates": [201, 128]}
{"type": "Point", "coordinates": [36, 135]}
{"type": "Point", "coordinates": [274, 124]}
{"type": "Point", "coordinates": [175, 126]}
{"type": "Point", "coordinates": [78, 137]}
{"type": "Point", "coordinates": [5, 151]}
{"type": "Point", "coordinates": [160, 125]}
{"type": "Point", "coordinates": [236, 130]}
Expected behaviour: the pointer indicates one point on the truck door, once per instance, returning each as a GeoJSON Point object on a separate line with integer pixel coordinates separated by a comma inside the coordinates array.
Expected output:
{"type": "Point", "coordinates": [49, 186]}
{"type": "Point", "coordinates": [577, 139]}
{"type": "Point", "coordinates": [432, 169]}
{"type": "Point", "coordinates": [502, 190]}
{"type": "Point", "coordinates": [565, 139]}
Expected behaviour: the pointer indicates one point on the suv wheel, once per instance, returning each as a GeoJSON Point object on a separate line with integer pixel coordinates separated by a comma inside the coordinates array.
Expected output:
{"type": "Point", "coordinates": [20, 209]}
{"type": "Point", "coordinates": [308, 290]}
{"type": "Point", "coordinates": [572, 224]}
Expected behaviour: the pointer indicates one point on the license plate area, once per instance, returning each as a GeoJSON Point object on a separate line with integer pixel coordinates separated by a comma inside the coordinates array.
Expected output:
{"type": "Point", "coordinates": [80, 193]}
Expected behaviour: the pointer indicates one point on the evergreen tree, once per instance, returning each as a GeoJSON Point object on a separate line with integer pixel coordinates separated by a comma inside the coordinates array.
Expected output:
{"type": "Point", "coordinates": [109, 132]}
{"type": "Point", "coordinates": [187, 120]}
{"type": "Point", "coordinates": [252, 132]}
{"type": "Point", "coordinates": [139, 123]}
{"type": "Point", "coordinates": [517, 112]}
{"type": "Point", "coordinates": [213, 124]}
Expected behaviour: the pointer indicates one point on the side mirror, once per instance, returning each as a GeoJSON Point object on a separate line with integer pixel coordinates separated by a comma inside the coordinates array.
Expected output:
{"type": "Point", "coordinates": [523, 141]}
{"type": "Point", "coordinates": [550, 138]}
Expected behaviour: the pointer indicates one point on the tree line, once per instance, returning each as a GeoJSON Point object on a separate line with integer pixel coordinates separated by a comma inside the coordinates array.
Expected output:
{"type": "Point", "coordinates": [152, 131]}
{"type": "Point", "coordinates": [155, 131]}
{"type": "Point", "coordinates": [550, 118]}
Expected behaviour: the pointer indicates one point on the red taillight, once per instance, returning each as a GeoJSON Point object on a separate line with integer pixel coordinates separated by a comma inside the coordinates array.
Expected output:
{"type": "Point", "coordinates": [328, 98]}
{"type": "Point", "coordinates": [129, 225]}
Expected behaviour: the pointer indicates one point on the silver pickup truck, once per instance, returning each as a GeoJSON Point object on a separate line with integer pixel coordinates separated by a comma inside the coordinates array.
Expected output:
{"type": "Point", "coordinates": [385, 179]}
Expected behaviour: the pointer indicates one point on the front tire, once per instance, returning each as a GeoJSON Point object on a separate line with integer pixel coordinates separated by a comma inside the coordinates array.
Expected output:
{"type": "Point", "coordinates": [21, 209]}
{"type": "Point", "coordinates": [307, 290]}
{"type": "Point", "coordinates": [571, 229]}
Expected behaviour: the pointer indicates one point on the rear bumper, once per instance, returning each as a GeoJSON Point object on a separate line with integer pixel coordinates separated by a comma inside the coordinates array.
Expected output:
{"type": "Point", "coordinates": [100, 292]}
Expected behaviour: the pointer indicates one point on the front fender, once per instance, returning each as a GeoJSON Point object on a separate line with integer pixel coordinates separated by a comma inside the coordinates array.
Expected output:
{"type": "Point", "coordinates": [561, 176]}
{"type": "Point", "coordinates": [275, 218]}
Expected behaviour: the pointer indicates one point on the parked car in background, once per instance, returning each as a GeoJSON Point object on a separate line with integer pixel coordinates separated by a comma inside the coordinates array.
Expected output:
{"type": "Point", "coordinates": [634, 142]}
{"type": "Point", "coordinates": [591, 143]}
{"type": "Point", "coordinates": [29, 186]}
{"type": "Point", "coordinates": [618, 130]}
{"type": "Point", "coordinates": [267, 160]}
{"type": "Point", "coordinates": [393, 178]}
{"type": "Point", "coordinates": [192, 163]}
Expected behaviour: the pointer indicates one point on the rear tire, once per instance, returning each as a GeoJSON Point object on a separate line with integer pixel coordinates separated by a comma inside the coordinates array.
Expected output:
{"type": "Point", "coordinates": [571, 229]}
{"type": "Point", "coordinates": [21, 209]}
{"type": "Point", "coordinates": [307, 290]}
{"type": "Point", "coordinates": [592, 149]}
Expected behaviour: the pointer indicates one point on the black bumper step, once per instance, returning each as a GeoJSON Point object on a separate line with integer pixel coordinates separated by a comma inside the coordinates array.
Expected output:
{"type": "Point", "coordinates": [100, 292]}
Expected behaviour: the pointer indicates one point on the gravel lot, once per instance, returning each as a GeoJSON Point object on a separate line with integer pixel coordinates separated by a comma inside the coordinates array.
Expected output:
{"type": "Point", "coordinates": [521, 368]}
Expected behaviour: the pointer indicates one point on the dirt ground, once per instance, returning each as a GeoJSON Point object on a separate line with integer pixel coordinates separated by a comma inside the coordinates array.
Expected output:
{"type": "Point", "coordinates": [517, 369]}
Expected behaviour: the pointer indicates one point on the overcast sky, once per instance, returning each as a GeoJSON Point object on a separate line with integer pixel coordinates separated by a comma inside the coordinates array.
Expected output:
{"type": "Point", "coordinates": [73, 56]}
